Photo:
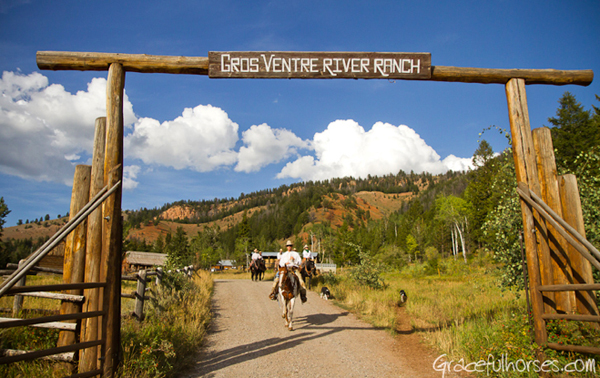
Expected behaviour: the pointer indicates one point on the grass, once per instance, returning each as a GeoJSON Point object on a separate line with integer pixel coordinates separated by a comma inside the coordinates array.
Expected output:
{"type": "Point", "coordinates": [462, 313]}
{"type": "Point", "coordinates": [160, 346]}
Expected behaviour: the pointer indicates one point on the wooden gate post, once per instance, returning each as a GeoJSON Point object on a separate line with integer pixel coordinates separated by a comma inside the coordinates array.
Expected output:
{"type": "Point", "coordinates": [89, 357]}
{"type": "Point", "coordinates": [564, 301]}
{"type": "Point", "coordinates": [75, 244]}
{"type": "Point", "coordinates": [112, 223]}
{"type": "Point", "coordinates": [140, 295]}
{"type": "Point", "coordinates": [582, 269]}
{"type": "Point", "coordinates": [18, 299]}
{"type": "Point", "coordinates": [526, 171]}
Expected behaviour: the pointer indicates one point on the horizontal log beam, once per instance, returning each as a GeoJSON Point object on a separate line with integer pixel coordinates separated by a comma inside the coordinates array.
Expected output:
{"type": "Point", "coordinates": [52, 325]}
{"type": "Point", "coordinates": [48, 319]}
{"type": "Point", "coordinates": [574, 348]}
{"type": "Point", "coordinates": [56, 287]}
{"type": "Point", "coordinates": [49, 352]}
{"type": "Point", "coordinates": [502, 76]}
{"type": "Point", "coordinates": [575, 317]}
{"type": "Point", "coordinates": [64, 357]}
{"type": "Point", "coordinates": [57, 296]}
{"type": "Point", "coordinates": [569, 287]}
{"type": "Point", "coordinates": [90, 61]}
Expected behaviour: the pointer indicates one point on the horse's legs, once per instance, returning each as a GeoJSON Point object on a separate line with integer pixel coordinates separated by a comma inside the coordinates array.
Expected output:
{"type": "Point", "coordinates": [290, 313]}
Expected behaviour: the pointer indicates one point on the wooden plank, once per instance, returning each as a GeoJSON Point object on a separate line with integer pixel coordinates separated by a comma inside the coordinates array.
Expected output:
{"type": "Point", "coordinates": [319, 65]}
{"type": "Point", "coordinates": [553, 240]}
{"type": "Point", "coordinates": [113, 231]}
{"type": "Point", "coordinates": [47, 352]}
{"type": "Point", "coordinates": [48, 319]}
{"type": "Point", "coordinates": [52, 325]}
{"type": "Point", "coordinates": [581, 267]}
{"type": "Point", "coordinates": [90, 61]}
{"type": "Point", "coordinates": [579, 318]}
{"type": "Point", "coordinates": [526, 172]}
{"type": "Point", "coordinates": [64, 357]}
{"type": "Point", "coordinates": [58, 296]}
{"type": "Point", "coordinates": [32, 288]}
{"type": "Point", "coordinates": [90, 330]}
{"type": "Point", "coordinates": [37, 269]}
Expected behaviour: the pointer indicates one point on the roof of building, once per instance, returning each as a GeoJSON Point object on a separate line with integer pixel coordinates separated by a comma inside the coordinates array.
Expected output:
{"type": "Point", "coordinates": [146, 258]}
{"type": "Point", "coordinates": [226, 262]}
{"type": "Point", "coordinates": [274, 254]}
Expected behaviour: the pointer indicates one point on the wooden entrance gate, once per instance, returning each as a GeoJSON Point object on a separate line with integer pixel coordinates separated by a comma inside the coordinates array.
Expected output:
{"type": "Point", "coordinates": [559, 259]}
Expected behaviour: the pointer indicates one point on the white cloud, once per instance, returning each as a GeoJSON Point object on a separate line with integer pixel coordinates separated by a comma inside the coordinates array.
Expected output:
{"type": "Point", "coordinates": [265, 145]}
{"type": "Point", "coordinates": [44, 129]}
{"type": "Point", "coordinates": [201, 139]}
{"type": "Point", "coordinates": [346, 149]}
{"type": "Point", "coordinates": [130, 173]}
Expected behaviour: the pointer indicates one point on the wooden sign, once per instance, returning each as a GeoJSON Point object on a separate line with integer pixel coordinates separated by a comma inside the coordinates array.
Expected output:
{"type": "Point", "coordinates": [319, 65]}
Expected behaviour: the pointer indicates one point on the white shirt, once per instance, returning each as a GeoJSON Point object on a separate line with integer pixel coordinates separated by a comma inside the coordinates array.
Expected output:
{"type": "Point", "coordinates": [306, 254]}
{"type": "Point", "coordinates": [290, 259]}
{"type": "Point", "coordinates": [256, 256]}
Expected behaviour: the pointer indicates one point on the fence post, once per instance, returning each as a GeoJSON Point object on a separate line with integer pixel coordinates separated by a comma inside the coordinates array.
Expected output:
{"type": "Point", "coordinates": [75, 244]}
{"type": "Point", "coordinates": [93, 254]}
{"type": "Point", "coordinates": [557, 245]}
{"type": "Point", "coordinates": [526, 172]}
{"type": "Point", "coordinates": [140, 295]}
{"type": "Point", "coordinates": [159, 277]}
{"type": "Point", "coordinates": [18, 300]}
{"type": "Point", "coordinates": [112, 224]}
{"type": "Point", "coordinates": [582, 269]}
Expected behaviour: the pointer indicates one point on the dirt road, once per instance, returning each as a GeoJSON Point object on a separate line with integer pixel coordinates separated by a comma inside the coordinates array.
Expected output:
{"type": "Point", "coordinates": [248, 339]}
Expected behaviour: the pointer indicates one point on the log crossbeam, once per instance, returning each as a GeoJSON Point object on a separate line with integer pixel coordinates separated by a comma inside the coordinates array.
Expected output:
{"type": "Point", "coordinates": [91, 61]}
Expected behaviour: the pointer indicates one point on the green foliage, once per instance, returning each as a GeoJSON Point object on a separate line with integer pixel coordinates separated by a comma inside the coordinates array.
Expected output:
{"type": "Point", "coordinates": [574, 130]}
{"type": "Point", "coordinates": [3, 213]}
{"type": "Point", "coordinates": [368, 273]}
{"type": "Point", "coordinates": [178, 251]}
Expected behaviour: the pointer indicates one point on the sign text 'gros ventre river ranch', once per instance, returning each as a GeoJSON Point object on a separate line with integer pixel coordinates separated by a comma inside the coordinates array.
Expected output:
{"type": "Point", "coordinates": [319, 65]}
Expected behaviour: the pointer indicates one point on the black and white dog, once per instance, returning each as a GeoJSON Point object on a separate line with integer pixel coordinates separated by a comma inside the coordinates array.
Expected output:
{"type": "Point", "coordinates": [403, 297]}
{"type": "Point", "coordinates": [325, 293]}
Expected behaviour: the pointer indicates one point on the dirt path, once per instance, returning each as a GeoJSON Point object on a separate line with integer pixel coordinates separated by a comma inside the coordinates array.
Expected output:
{"type": "Point", "coordinates": [248, 339]}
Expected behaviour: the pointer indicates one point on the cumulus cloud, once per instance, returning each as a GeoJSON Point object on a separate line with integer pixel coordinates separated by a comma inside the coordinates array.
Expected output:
{"type": "Point", "coordinates": [202, 139]}
{"type": "Point", "coordinates": [346, 149]}
{"type": "Point", "coordinates": [264, 146]}
{"type": "Point", "coordinates": [44, 129]}
{"type": "Point", "coordinates": [130, 173]}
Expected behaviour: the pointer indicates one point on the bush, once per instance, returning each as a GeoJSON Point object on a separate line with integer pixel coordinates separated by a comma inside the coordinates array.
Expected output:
{"type": "Point", "coordinates": [368, 273]}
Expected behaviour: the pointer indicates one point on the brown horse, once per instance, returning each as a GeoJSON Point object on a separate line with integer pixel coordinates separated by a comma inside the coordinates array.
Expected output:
{"type": "Point", "coordinates": [289, 289]}
{"type": "Point", "coordinates": [257, 269]}
{"type": "Point", "coordinates": [308, 271]}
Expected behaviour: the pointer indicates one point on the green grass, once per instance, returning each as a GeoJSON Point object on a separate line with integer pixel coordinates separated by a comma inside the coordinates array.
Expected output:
{"type": "Point", "coordinates": [160, 346]}
{"type": "Point", "coordinates": [459, 310]}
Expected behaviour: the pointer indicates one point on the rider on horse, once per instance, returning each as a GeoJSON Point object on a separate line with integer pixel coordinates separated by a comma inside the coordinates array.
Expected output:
{"type": "Point", "coordinates": [290, 260]}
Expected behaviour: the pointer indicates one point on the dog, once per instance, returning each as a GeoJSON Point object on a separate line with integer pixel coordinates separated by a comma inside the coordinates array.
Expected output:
{"type": "Point", "coordinates": [403, 297]}
{"type": "Point", "coordinates": [325, 293]}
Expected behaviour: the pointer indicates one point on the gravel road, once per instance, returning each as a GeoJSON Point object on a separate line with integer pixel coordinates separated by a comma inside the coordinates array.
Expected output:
{"type": "Point", "coordinates": [248, 339]}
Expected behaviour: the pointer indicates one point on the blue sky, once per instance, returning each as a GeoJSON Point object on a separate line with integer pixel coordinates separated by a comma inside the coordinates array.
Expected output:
{"type": "Point", "coordinates": [191, 137]}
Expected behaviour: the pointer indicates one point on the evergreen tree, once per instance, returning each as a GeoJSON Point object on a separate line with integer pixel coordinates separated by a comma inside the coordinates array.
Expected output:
{"type": "Point", "coordinates": [3, 213]}
{"type": "Point", "coordinates": [573, 130]}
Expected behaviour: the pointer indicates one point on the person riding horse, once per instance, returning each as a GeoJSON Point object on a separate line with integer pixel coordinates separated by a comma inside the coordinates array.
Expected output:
{"type": "Point", "coordinates": [291, 261]}
{"type": "Point", "coordinates": [257, 265]}
{"type": "Point", "coordinates": [308, 264]}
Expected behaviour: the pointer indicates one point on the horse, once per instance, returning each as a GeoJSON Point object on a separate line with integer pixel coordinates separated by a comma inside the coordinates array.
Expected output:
{"type": "Point", "coordinates": [257, 269]}
{"type": "Point", "coordinates": [308, 270]}
{"type": "Point", "coordinates": [288, 291]}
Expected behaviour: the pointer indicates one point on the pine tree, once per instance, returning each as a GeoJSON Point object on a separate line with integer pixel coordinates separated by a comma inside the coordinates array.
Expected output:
{"type": "Point", "coordinates": [573, 130]}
